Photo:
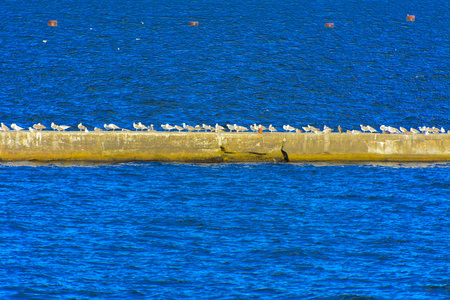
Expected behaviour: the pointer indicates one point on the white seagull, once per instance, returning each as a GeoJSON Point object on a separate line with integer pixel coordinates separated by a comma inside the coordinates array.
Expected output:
{"type": "Point", "coordinates": [39, 126]}
{"type": "Point", "coordinates": [82, 127]}
{"type": "Point", "coordinates": [371, 129]}
{"type": "Point", "coordinates": [112, 127]}
{"type": "Point", "coordinates": [288, 128]}
{"type": "Point", "coordinates": [62, 127]}
{"type": "Point", "coordinates": [15, 127]}
{"type": "Point", "coordinates": [219, 128]}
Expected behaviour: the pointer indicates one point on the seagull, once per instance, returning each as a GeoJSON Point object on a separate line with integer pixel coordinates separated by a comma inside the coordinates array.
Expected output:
{"type": "Point", "coordinates": [312, 128]}
{"type": "Point", "coordinates": [32, 129]}
{"type": "Point", "coordinates": [179, 128]}
{"type": "Point", "coordinates": [136, 126]}
{"type": "Point", "coordinates": [404, 130]}
{"type": "Point", "coordinates": [81, 127]}
{"type": "Point", "coordinates": [339, 129]}
{"type": "Point", "coordinates": [435, 130]}
{"type": "Point", "coordinates": [271, 128]}
{"type": "Point", "coordinates": [371, 129]}
{"type": "Point", "coordinates": [112, 127]}
{"type": "Point", "coordinates": [142, 126]}
{"type": "Point", "coordinates": [207, 127]}
{"type": "Point", "coordinates": [97, 129]}
{"type": "Point", "coordinates": [442, 130]}
{"type": "Point", "coordinates": [219, 128]}
{"type": "Point", "coordinates": [253, 127]}
{"type": "Point", "coordinates": [54, 126]}
{"type": "Point", "coordinates": [198, 128]}
{"type": "Point", "coordinates": [169, 127]}
{"type": "Point", "coordinates": [62, 127]}
{"type": "Point", "coordinates": [242, 128]}
{"type": "Point", "coordinates": [151, 128]}
{"type": "Point", "coordinates": [414, 131]}
{"type": "Point", "coordinates": [288, 128]}
{"type": "Point", "coordinates": [3, 127]}
{"type": "Point", "coordinates": [39, 126]}
{"type": "Point", "coordinates": [15, 127]}
{"type": "Point", "coordinates": [383, 128]}
{"type": "Point", "coordinates": [327, 129]}
{"type": "Point", "coordinates": [306, 129]}
{"type": "Point", "coordinates": [393, 130]}
{"type": "Point", "coordinates": [364, 128]}
{"type": "Point", "coordinates": [262, 127]}
{"type": "Point", "coordinates": [188, 127]}
{"type": "Point", "coordinates": [356, 132]}
{"type": "Point", "coordinates": [230, 127]}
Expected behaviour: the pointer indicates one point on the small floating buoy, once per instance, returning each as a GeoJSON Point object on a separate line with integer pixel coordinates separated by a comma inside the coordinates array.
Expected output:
{"type": "Point", "coordinates": [52, 23]}
{"type": "Point", "coordinates": [410, 18]}
{"type": "Point", "coordinates": [193, 23]}
{"type": "Point", "coordinates": [329, 25]}
{"type": "Point", "coordinates": [44, 41]}
{"type": "Point", "coordinates": [260, 130]}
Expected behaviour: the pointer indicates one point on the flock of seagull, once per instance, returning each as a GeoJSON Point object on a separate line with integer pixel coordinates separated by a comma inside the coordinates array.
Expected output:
{"type": "Point", "coordinates": [235, 128]}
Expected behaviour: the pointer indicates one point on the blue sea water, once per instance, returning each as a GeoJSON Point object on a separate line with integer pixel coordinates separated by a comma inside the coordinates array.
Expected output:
{"type": "Point", "coordinates": [169, 231]}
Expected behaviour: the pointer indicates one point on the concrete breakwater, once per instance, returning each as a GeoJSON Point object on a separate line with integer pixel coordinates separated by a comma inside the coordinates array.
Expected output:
{"type": "Point", "coordinates": [122, 146]}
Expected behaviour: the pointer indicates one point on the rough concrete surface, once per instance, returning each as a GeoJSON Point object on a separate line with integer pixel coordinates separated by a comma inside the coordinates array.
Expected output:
{"type": "Point", "coordinates": [220, 147]}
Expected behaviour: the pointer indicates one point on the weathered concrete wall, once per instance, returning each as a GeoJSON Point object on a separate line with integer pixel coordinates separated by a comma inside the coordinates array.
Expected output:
{"type": "Point", "coordinates": [220, 147]}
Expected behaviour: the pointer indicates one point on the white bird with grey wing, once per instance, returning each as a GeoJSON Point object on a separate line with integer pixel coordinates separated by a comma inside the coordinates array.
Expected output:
{"type": "Point", "coordinates": [15, 127]}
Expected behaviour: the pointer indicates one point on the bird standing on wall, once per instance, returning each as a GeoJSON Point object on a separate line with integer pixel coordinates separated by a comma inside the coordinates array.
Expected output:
{"type": "Point", "coordinates": [62, 127]}
{"type": "Point", "coordinates": [15, 127]}
{"type": "Point", "coordinates": [219, 128]}
{"type": "Point", "coordinates": [272, 129]}
{"type": "Point", "coordinates": [112, 127]}
{"type": "Point", "coordinates": [82, 127]}
{"type": "Point", "coordinates": [187, 127]}
{"type": "Point", "coordinates": [262, 127]}
{"type": "Point", "coordinates": [39, 126]}
{"type": "Point", "coordinates": [179, 128]}
{"type": "Point", "coordinates": [371, 129]}
{"type": "Point", "coordinates": [414, 131]}
{"type": "Point", "coordinates": [340, 129]}
{"type": "Point", "coordinates": [142, 126]}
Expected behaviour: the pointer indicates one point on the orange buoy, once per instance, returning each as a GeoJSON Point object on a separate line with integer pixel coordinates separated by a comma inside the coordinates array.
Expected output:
{"type": "Point", "coordinates": [410, 18]}
{"type": "Point", "coordinates": [260, 130]}
{"type": "Point", "coordinates": [193, 23]}
{"type": "Point", "coordinates": [52, 23]}
{"type": "Point", "coordinates": [329, 25]}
